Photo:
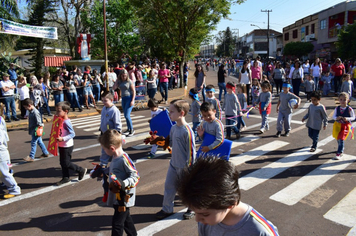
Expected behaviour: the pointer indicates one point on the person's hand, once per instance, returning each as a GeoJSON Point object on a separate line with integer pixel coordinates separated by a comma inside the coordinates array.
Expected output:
{"type": "Point", "coordinates": [205, 149]}
{"type": "Point", "coordinates": [200, 131]}
{"type": "Point", "coordinates": [59, 139]}
{"type": "Point", "coordinates": [132, 103]}
{"type": "Point", "coordinates": [303, 120]}
{"type": "Point", "coordinates": [324, 127]}
{"type": "Point", "coordinates": [277, 109]}
{"type": "Point", "coordinates": [296, 106]}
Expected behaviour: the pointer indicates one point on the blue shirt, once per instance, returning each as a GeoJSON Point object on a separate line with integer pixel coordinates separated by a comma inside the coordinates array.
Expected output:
{"type": "Point", "coordinates": [13, 74]}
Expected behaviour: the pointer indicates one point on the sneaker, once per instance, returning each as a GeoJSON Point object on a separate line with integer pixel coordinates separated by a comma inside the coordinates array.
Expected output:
{"type": "Point", "coordinates": [7, 196]}
{"type": "Point", "coordinates": [126, 132]}
{"type": "Point", "coordinates": [63, 181]}
{"type": "Point", "coordinates": [80, 109]}
{"type": "Point", "coordinates": [28, 159]}
{"type": "Point", "coordinates": [8, 120]}
{"type": "Point", "coordinates": [262, 130]}
{"type": "Point", "coordinates": [278, 134]}
{"type": "Point", "coordinates": [132, 132]}
{"type": "Point", "coordinates": [312, 150]}
{"type": "Point", "coordinates": [50, 114]}
{"type": "Point", "coordinates": [165, 102]}
{"type": "Point", "coordinates": [15, 118]}
{"type": "Point", "coordinates": [286, 133]}
{"type": "Point", "coordinates": [243, 128]}
{"type": "Point", "coordinates": [162, 214]}
{"type": "Point", "coordinates": [82, 106]}
{"type": "Point", "coordinates": [43, 155]}
{"type": "Point", "coordinates": [151, 156]}
{"type": "Point", "coordinates": [238, 135]}
{"type": "Point", "coordinates": [188, 214]}
{"type": "Point", "coordinates": [91, 105]}
{"type": "Point", "coordinates": [105, 197]}
{"type": "Point", "coordinates": [82, 173]}
{"type": "Point", "coordinates": [338, 156]}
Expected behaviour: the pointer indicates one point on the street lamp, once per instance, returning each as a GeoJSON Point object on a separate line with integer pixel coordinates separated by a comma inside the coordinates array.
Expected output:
{"type": "Point", "coordinates": [256, 26]}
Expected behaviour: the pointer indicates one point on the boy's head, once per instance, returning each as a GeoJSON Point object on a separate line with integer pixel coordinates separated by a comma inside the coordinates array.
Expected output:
{"type": "Point", "coordinates": [308, 77]}
{"type": "Point", "coordinates": [239, 88]}
{"type": "Point", "coordinates": [152, 104]}
{"type": "Point", "coordinates": [107, 99]}
{"type": "Point", "coordinates": [266, 86]}
{"type": "Point", "coordinates": [178, 109]}
{"type": "Point", "coordinates": [62, 109]}
{"type": "Point", "coordinates": [193, 94]}
{"type": "Point", "coordinates": [110, 140]}
{"type": "Point", "coordinates": [286, 87]}
{"type": "Point", "coordinates": [208, 111]}
{"type": "Point", "coordinates": [210, 188]}
{"type": "Point", "coordinates": [28, 104]}
{"type": "Point", "coordinates": [230, 87]}
{"type": "Point", "coordinates": [345, 76]}
{"type": "Point", "coordinates": [315, 97]}
{"type": "Point", "coordinates": [210, 91]}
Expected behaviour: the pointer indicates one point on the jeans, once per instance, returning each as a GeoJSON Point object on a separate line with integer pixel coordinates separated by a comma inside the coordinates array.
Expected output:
{"type": "Point", "coordinates": [279, 84]}
{"type": "Point", "coordinates": [125, 101]}
{"type": "Point", "coordinates": [231, 123]}
{"type": "Point", "coordinates": [337, 83]}
{"type": "Point", "coordinates": [80, 95]}
{"type": "Point", "coordinates": [34, 141]}
{"type": "Point", "coordinates": [222, 87]}
{"type": "Point", "coordinates": [284, 118]}
{"type": "Point", "coordinates": [202, 91]}
{"type": "Point", "coordinates": [10, 102]}
{"type": "Point", "coordinates": [340, 146]}
{"type": "Point", "coordinates": [7, 178]}
{"type": "Point", "coordinates": [316, 82]}
{"type": "Point", "coordinates": [240, 122]}
{"type": "Point", "coordinates": [264, 124]}
{"type": "Point", "coordinates": [314, 135]}
{"type": "Point", "coordinates": [45, 103]}
{"type": "Point", "coordinates": [122, 221]}
{"type": "Point", "coordinates": [96, 91]}
{"type": "Point", "coordinates": [58, 98]}
{"type": "Point", "coordinates": [151, 92]}
{"type": "Point", "coordinates": [164, 90]}
{"type": "Point", "coordinates": [73, 99]}
{"type": "Point", "coordinates": [296, 86]}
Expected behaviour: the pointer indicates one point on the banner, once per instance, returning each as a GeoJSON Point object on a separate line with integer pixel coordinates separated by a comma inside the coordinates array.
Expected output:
{"type": "Point", "coordinates": [53, 144]}
{"type": "Point", "coordinates": [11, 27]}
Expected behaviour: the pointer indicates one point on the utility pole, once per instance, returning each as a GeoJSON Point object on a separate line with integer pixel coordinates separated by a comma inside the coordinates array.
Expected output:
{"type": "Point", "coordinates": [268, 11]}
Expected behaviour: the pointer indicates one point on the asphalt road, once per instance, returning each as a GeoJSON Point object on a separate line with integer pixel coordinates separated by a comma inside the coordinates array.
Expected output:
{"type": "Point", "coordinates": [302, 193]}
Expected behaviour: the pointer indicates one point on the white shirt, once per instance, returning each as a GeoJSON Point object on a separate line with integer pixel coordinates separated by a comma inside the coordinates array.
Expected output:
{"type": "Point", "coordinates": [8, 83]}
{"type": "Point", "coordinates": [244, 77]}
{"type": "Point", "coordinates": [306, 68]}
{"type": "Point", "coordinates": [24, 92]}
{"type": "Point", "coordinates": [316, 70]}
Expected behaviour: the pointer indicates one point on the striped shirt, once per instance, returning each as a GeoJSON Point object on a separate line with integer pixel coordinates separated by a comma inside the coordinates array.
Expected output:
{"type": "Point", "coordinates": [215, 128]}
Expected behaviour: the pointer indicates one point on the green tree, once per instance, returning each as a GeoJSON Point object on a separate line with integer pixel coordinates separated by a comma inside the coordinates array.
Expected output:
{"type": "Point", "coordinates": [298, 49]}
{"type": "Point", "coordinates": [8, 9]}
{"type": "Point", "coordinates": [346, 42]}
{"type": "Point", "coordinates": [226, 43]}
{"type": "Point", "coordinates": [180, 26]}
{"type": "Point", "coordinates": [122, 35]}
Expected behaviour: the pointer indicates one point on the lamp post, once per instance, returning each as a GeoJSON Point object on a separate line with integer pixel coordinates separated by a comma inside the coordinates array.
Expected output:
{"type": "Point", "coordinates": [256, 26]}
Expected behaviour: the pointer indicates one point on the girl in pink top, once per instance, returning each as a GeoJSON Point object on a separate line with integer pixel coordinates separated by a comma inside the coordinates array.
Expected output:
{"type": "Point", "coordinates": [164, 75]}
{"type": "Point", "coordinates": [256, 71]}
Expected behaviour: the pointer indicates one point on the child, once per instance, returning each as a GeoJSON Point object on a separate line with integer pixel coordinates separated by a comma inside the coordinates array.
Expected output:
{"type": "Point", "coordinates": [181, 139]}
{"type": "Point", "coordinates": [326, 78]}
{"type": "Point", "coordinates": [195, 109]}
{"type": "Point", "coordinates": [309, 86]}
{"type": "Point", "coordinates": [284, 111]}
{"type": "Point", "coordinates": [65, 144]}
{"type": "Point", "coordinates": [210, 91]}
{"type": "Point", "coordinates": [218, 209]}
{"type": "Point", "coordinates": [264, 103]}
{"type": "Point", "coordinates": [125, 171]}
{"type": "Point", "coordinates": [5, 175]}
{"type": "Point", "coordinates": [347, 85]}
{"type": "Point", "coordinates": [110, 119]}
{"type": "Point", "coordinates": [211, 125]}
{"type": "Point", "coordinates": [255, 91]}
{"type": "Point", "coordinates": [34, 121]}
{"type": "Point", "coordinates": [153, 105]}
{"type": "Point", "coordinates": [243, 103]}
{"type": "Point", "coordinates": [343, 114]}
{"type": "Point", "coordinates": [316, 116]}
{"type": "Point", "coordinates": [232, 110]}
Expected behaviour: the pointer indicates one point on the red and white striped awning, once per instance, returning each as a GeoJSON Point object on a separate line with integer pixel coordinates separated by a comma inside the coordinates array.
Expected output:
{"type": "Point", "coordinates": [56, 61]}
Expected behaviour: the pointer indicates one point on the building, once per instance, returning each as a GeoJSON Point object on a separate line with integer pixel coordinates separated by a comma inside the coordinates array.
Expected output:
{"type": "Point", "coordinates": [208, 51]}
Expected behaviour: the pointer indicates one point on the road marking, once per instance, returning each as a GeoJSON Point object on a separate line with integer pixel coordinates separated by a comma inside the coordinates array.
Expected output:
{"type": "Point", "coordinates": [275, 119]}
{"type": "Point", "coordinates": [352, 231]}
{"type": "Point", "coordinates": [162, 224]}
{"type": "Point", "coordinates": [85, 118]}
{"type": "Point", "coordinates": [254, 153]}
{"type": "Point", "coordinates": [98, 122]}
{"type": "Point", "coordinates": [344, 212]}
{"type": "Point", "coordinates": [293, 193]}
{"type": "Point", "coordinates": [134, 121]}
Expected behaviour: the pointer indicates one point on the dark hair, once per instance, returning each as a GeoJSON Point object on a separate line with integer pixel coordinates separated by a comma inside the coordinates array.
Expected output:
{"type": "Point", "coordinates": [210, 183]}
{"type": "Point", "coordinates": [266, 84]}
{"type": "Point", "coordinates": [152, 103]}
{"type": "Point", "coordinates": [64, 105]}
{"type": "Point", "coordinates": [316, 94]}
{"type": "Point", "coordinates": [196, 73]}
{"type": "Point", "coordinates": [207, 106]}
{"type": "Point", "coordinates": [27, 102]}
{"type": "Point", "coordinates": [181, 105]}
{"type": "Point", "coordinates": [210, 86]}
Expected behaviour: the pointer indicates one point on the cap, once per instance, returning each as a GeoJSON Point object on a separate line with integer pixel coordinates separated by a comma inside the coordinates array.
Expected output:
{"type": "Point", "coordinates": [6, 74]}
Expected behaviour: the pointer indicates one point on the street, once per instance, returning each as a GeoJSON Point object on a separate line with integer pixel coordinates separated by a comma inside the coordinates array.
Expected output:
{"type": "Point", "coordinates": [302, 193]}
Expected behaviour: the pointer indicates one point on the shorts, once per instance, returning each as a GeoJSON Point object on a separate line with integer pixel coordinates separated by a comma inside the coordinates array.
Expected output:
{"type": "Point", "coordinates": [87, 91]}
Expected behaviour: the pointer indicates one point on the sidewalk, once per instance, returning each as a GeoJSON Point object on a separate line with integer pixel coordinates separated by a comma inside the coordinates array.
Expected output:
{"type": "Point", "coordinates": [172, 94]}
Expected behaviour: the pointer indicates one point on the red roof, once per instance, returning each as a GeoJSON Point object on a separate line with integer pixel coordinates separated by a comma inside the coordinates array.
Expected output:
{"type": "Point", "coordinates": [56, 61]}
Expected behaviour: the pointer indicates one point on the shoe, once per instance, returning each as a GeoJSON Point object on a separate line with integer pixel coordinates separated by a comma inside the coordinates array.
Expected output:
{"type": "Point", "coordinates": [132, 132]}
{"type": "Point", "coordinates": [91, 105]}
{"type": "Point", "coordinates": [80, 109]}
{"type": "Point", "coordinates": [312, 150]}
{"type": "Point", "coordinates": [162, 214]}
{"type": "Point", "coordinates": [82, 173]}
{"type": "Point", "coordinates": [238, 135]}
{"type": "Point", "coordinates": [286, 133]}
{"type": "Point", "coordinates": [82, 106]}
{"type": "Point", "coordinates": [15, 119]}
{"type": "Point", "coordinates": [105, 197]}
{"type": "Point", "coordinates": [7, 196]}
{"type": "Point", "coordinates": [50, 114]}
{"type": "Point", "coordinates": [151, 156]}
{"type": "Point", "coordinates": [43, 155]}
{"type": "Point", "coordinates": [243, 128]}
{"type": "Point", "coordinates": [338, 156]}
{"type": "Point", "coordinates": [8, 120]}
{"type": "Point", "coordinates": [63, 181]}
{"type": "Point", "coordinates": [73, 109]}
{"type": "Point", "coordinates": [188, 214]}
{"type": "Point", "coordinates": [28, 159]}
{"type": "Point", "coordinates": [278, 134]}
{"type": "Point", "coordinates": [126, 132]}
{"type": "Point", "coordinates": [262, 130]}
{"type": "Point", "coordinates": [165, 102]}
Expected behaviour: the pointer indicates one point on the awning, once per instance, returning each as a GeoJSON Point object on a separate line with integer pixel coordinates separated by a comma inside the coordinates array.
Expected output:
{"type": "Point", "coordinates": [56, 61]}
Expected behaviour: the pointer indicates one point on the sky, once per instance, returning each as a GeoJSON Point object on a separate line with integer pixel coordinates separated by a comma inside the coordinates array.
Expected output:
{"type": "Point", "coordinates": [284, 13]}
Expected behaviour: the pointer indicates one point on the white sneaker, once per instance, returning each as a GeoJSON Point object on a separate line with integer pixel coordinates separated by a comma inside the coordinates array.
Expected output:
{"type": "Point", "coordinates": [262, 131]}
{"type": "Point", "coordinates": [82, 106]}
{"type": "Point", "coordinates": [91, 105]}
{"type": "Point", "coordinates": [243, 128]}
{"type": "Point", "coordinates": [338, 156]}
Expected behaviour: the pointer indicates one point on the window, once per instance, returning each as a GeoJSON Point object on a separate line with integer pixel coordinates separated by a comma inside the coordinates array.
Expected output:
{"type": "Point", "coordinates": [307, 30]}
{"type": "Point", "coordinates": [312, 30]}
{"type": "Point", "coordinates": [286, 36]}
{"type": "Point", "coordinates": [295, 34]}
{"type": "Point", "coordinates": [323, 24]}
